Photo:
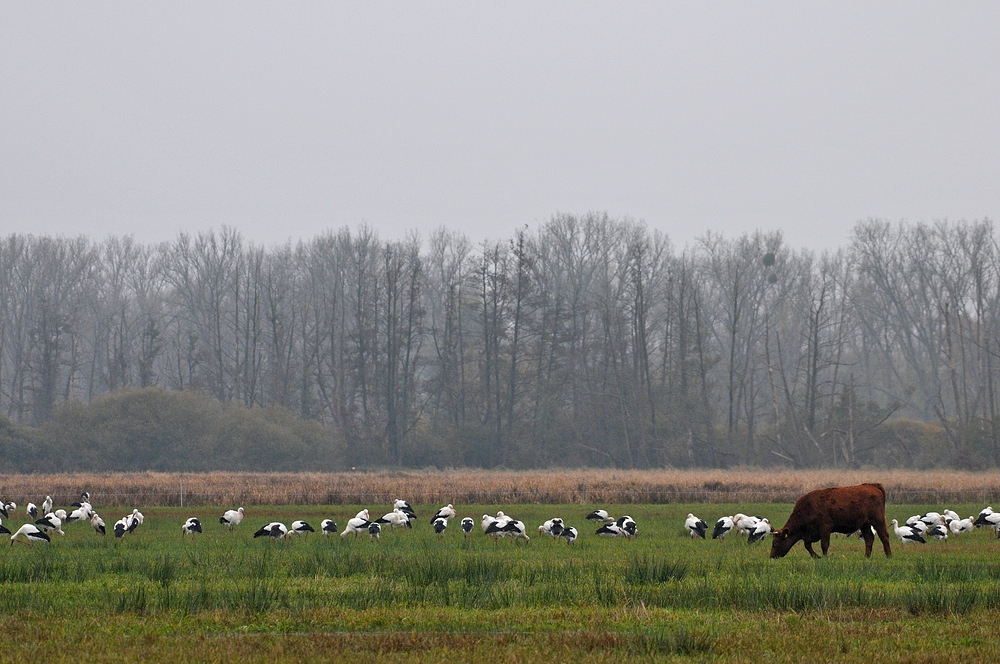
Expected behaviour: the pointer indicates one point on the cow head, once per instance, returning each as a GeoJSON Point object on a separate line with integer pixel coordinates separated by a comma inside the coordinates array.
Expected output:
{"type": "Point", "coordinates": [781, 542]}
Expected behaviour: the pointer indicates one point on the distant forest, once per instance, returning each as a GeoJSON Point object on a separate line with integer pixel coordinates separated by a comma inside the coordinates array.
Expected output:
{"type": "Point", "coordinates": [587, 341]}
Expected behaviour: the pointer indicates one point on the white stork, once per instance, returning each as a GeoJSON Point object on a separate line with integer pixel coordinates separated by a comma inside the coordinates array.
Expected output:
{"type": "Point", "coordinates": [32, 510]}
{"type": "Point", "coordinates": [696, 527]}
{"type": "Point", "coordinates": [722, 528]}
{"type": "Point", "coordinates": [448, 512]}
{"type": "Point", "coordinates": [760, 531]}
{"type": "Point", "coordinates": [31, 533]}
{"type": "Point", "coordinates": [937, 532]}
{"type": "Point", "coordinates": [358, 524]}
{"type": "Point", "coordinates": [610, 530]}
{"type": "Point", "coordinates": [396, 519]}
{"type": "Point", "coordinates": [47, 505]}
{"type": "Point", "coordinates": [959, 526]}
{"type": "Point", "coordinates": [328, 527]}
{"type": "Point", "coordinates": [97, 523]}
{"type": "Point", "coordinates": [552, 527]}
{"type": "Point", "coordinates": [300, 528]}
{"type": "Point", "coordinates": [598, 515]}
{"type": "Point", "coordinates": [190, 527]}
{"type": "Point", "coordinates": [374, 530]}
{"type": "Point", "coordinates": [50, 523]}
{"type": "Point", "coordinates": [231, 518]}
{"type": "Point", "coordinates": [907, 534]}
{"type": "Point", "coordinates": [273, 530]}
{"type": "Point", "coordinates": [467, 525]}
{"type": "Point", "coordinates": [569, 534]}
{"type": "Point", "coordinates": [439, 524]}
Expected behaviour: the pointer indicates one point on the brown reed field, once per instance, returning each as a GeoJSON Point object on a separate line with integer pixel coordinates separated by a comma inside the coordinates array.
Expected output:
{"type": "Point", "coordinates": [574, 486]}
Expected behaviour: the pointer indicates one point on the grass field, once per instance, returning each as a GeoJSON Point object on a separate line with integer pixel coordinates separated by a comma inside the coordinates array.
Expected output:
{"type": "Point", "coordinates": [154, 596]}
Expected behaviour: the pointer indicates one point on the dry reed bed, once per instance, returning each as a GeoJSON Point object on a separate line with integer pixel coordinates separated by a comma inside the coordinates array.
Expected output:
{"type": "Point", "coordinates": [590, 486]}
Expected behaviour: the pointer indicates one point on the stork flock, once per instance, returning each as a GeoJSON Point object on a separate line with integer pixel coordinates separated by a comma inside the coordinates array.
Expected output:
{"type": "Point", "coordinates": [916, 528]}
{"type": "Point", "coordinates": [52, 521]}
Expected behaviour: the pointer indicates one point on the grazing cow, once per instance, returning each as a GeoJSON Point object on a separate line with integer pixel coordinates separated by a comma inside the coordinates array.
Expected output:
{"type": "Point", "coordinates": [836, 510]}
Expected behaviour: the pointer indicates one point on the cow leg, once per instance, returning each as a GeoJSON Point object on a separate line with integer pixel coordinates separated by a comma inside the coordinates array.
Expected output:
{"type": "Point", "coordinates": [869, 537]}
{"type": "Point", "coordinates": [825, 541]}
{"type": "Point", "coordinates": [883, 534]}
{"type": "Point", "coordinates": [809, 547]}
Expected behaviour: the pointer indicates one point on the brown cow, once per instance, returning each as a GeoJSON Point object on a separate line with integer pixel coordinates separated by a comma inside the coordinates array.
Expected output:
{"type": "Point", "coordinates": [845, 510]}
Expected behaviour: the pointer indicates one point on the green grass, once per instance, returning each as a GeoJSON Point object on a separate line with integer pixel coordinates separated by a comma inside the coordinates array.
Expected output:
{"type": "Point", "coordinates": [156, 596]}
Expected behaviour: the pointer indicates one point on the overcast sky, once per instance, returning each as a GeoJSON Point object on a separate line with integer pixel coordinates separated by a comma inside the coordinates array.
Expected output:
{"type": "Point", "coordinates": [285, 119]}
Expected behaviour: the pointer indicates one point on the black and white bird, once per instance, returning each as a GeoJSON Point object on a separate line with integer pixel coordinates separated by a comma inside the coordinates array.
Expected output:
{"type": "Point", "coordinates": [31, 534]}
{"type": "Point", "coordinates": [3, 510]}
{"type": "Point", "coordinates": [133, 520]}
{"type": "Point", "coordinates": [61, 513]}
{"type": "Point", "coordinates": [933, 519]}
{"type": "Point", "coordinates": [190, 527]}
{"type": "Point", "coordinates": [517, 530]}
{"type": "Point", "coordinates": [439, 524]}
{"type": "Point", "coordinates": [908, 534]}
{"type": "Point", "coordinates": [989, 519]}
{"type": "Point", "coordinates": [97, 523]}
{"type": "Point", "coordinates": [396, 519]}
{"type": "Point", "coordinates": [722, 528]}
{"type": "Point", "coordinates": [274, 530]}
{"type": "Point", "coordinates": [467, 525]}
{"type": "Point", "coordinates": [960, 526]}
{"type": "Point", "coordinates": [47, 505]}
{"type": "Point", "coordinates": [358, 524]}
{"type": "Point", "coordinates": [50, 523]}
{"type": "Point", "coordinates": [696, 527]}
{"type": "Point", "coordinates": [760, 531]}
{"type": "Point", "coordinates": [490, 527]}
{"type": "Point", "coordinates": [83, 512]}
{"type": "Point", "coordinates": [121, 528]}
{"type": "Point", "coordinates": [937, 532]}
{"type": "Point", "coordinates": [32, 510]}
{"type": "Point", "coordinates": [328, 527]}
{"type": "Point", "coordinates": [448, 512]}
{"type": "Point", "coordinates": [745, 524]}
{"type": "Point", "coordinates": [599, 515]}
{"type": "Point", "coordinates": [610, 530]}
{"type": "Point", "coordinates": [628, 526]}
{"type": "Point", "coordinates": [913, 520]}
{"type": "Point", "coordinates": [4, 530]}
{"type": "Point", "coordinates": [569, 534]}
{"type": "Point", "coordinates": [374, 530]}
{"type": "Point", "coordinates": [950, 515]}
{"type": "Point", "coordinates": [300, 528]}
{"type": "Point", "coordinates": [404, 507]}
{"type": "Point", "coordinates": [9, 508]}
{"type": "Point", "coordinates": [231, 518]}
{"type": "Point", "coordinates": [552, 528]}
{"type": "Point", "coordinates": [921, 527]}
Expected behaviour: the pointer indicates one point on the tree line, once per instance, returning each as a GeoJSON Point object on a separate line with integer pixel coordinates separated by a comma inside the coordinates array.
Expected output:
{"type": "Point", "coordinates": [589, 340]}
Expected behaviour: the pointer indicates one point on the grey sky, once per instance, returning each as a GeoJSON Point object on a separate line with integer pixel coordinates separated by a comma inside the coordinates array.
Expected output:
{"type": "Point", "coordinates": [283, 119]}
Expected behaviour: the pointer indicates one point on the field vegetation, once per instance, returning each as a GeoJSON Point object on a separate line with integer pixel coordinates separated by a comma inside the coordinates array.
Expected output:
{"type": "Point", "coordinates": [408, 597]}
{"type": "Point", "coordinates": [473, 486]}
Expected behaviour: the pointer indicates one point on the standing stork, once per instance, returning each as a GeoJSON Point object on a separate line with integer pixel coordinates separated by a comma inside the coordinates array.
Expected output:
{"type": "Point", "coordinates": [273, 530]}
{"type": "Point", "coordinates": [231, 518]}
{"type": "Point", "coordinates": [50, 523]}
{"type": "Point", "coordinates": [328, 527]}
{"type": "Point", "coordinates": [190, 527]}
{"type": "Point", "coordinates": [696, 527]}
{"type": "Point", "coordinates": [448, 512]}
{"type": "Point", "coordinates": [31, 533]}
{"type": "Point", "coordinates": [47, 505]}
{"type": "Point", "coordinates": [32, 510]}
{"type": "Point", "coordinates": [439, 524]}
{"type": "Point", "coordinates": [300, 528]}
{"type": "Point", "coordinates": [97, 523]}
{"type": "Point", "coordinates": [467, 525]}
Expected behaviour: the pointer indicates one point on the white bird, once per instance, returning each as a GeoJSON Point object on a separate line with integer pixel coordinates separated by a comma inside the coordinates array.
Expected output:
{"type": "Point", "coordinates": [300, 528]}
{"type": "Point", "coordinates": [96, 522]}
{"type": "Point", "coordinates": [745, 524]}
{"type": "Point", "coordinates": [907, 534]}
{"type": "Point", "coordinates": [914, 520]}
{"type": "Point", "coordinates": [363, 514]}
{"type": "Point", "coordinates": [439, 524]}
{"type": "Point", "coordinates": [47, 505]}
{"type": "Point", "coordinates": [374, 530]}
{"type": "Point", "coordinates": [61, 513]}
{"type": "Point", "coordinates": [991, 520]}
{"type": "Point", "coordinates": [32, 510]}
{"type": "Point", "coordinates": [950, 515]}
{"type": "Point", "coordinates": [396, 519]}
{"type": "Point", "coordinates": [82, 513]}
{"type": "Point", "coordinates": [959, 526]}
{"type": "Point", "coordinates": [489, 526]}
{"type": "Point", "coordinates": [405, 508]}
{"type": "Point", "coordinates": [722, 528]}
{"type": "Point", "coordinates": [467, 525]}
{"type": "Point", "coordinates": [231, 518]}
{"type": "Point", "coordinates": [598, 515]}
{"type": "Point", "coordinates": [628, 526]}
{"type": "Point", "coordinates": [696, 527]}
{"type": "Point", "coordinates": [328, 527]}
{"type": "Point", "coordinates": [517, 530]}
{"type": "Point", "coordinates": [921, 527]}
{"type": "Point", "coordinates": [121, 527]}
{"type": "Point", "coordinates": [937, 532]}
{"type": "Point", "coordinates": [448, 512]}
{"type": "Point", "coordinates": [274, 530]}
{"type": "Point", "coordinates": [760, 531]}
{"type": "Point", "coordinates": [610, 530]}
{"type": "Point", "coordinates": [31, 533]}
{"type": "Point", "coordinates": [569, 534]}
{"type": "Point", "coordinates": [9, 508]}
{"type": "Point", "coordinates": [933, 519]}
{"type": "Point", "coordinates": [190, 527]}
{"type": "Point", "coordinates": [50, 522]}
{"type": "Point", "coordinates": [356, 525]}
{"type": "Point", "coordinates": [552, 527]}
{"type": "Point", "coordinates": [136, 514]}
